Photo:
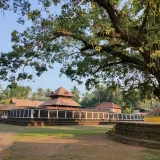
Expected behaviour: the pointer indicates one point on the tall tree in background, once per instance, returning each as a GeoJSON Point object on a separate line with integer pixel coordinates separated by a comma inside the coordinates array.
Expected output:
{"type": "Point", "coordinates": [40, 94]}
{"type": "Point", "coordinates": [96, 39]}
{"type": "Point", "coordinates": [76, 94]}
{"type": "Point", "coordinates": [127, 99]}
{"type": "Point", "coordinates": [15, 91]}
{"type": "Point", "coordinates": [47, 92]}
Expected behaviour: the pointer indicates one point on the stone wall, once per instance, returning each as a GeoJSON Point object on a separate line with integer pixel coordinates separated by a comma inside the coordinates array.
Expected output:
{"type": "Point", "coordinates": [137, 133]}
{"type": "Point", "coordinates": [139, 130]}
{"type": "Point", "coordinates": [53, 122]}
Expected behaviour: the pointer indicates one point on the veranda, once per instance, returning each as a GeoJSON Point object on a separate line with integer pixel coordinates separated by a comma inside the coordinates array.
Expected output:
{"type": "Point", "coordinates": [70, 114]}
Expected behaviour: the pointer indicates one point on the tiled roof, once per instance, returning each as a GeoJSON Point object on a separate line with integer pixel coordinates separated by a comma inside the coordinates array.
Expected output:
{"type": "Point", "coordinates": [107, 105]}
{"type": "Point", "coordinates": [155, 112]}
{"type": "Point", "coordinates": [7, 107]}
{"type": "Point", "coordinates": [26, 103]}
{"type": "Point", "coordinates": [62, 92]}
{"type": "Point", "coordinates": [59, 108]}
{"type": "Point", "coordinates": [61, 102]}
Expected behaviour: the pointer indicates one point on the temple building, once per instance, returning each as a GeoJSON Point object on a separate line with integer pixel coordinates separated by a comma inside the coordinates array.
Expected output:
{"type": "Point", "coordinates": [60, 99]}
{"type": "Point", "coordinates": [109, 107]}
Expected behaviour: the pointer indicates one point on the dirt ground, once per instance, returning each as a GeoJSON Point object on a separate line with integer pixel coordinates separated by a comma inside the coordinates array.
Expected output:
{"type": "Point", "coordinates": [6, 140]}
{"type": "Point", "coordinates": [93, 147]}
{"type": "Point", "coordinates": [50, 146]}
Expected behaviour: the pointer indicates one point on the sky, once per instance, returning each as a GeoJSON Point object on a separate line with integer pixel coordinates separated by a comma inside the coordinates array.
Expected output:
{"type": "Point", "coordinates": [49, 79]}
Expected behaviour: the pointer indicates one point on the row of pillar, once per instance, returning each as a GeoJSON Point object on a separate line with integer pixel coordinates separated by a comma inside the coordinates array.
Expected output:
{"type": "Point", "coordinates": [117, 116]}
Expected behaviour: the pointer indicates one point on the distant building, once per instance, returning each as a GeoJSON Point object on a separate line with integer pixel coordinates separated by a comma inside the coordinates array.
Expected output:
{"type": "Point", "coordinates": [153, 116]}
{"type": "Point", "coordinates": [109, 107]}
{"type": "Point", "coordinates": [141, 111]}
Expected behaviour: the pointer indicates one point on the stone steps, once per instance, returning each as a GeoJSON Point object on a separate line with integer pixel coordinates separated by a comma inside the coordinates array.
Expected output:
{"type": "Point", "coordinates": [133, 141]}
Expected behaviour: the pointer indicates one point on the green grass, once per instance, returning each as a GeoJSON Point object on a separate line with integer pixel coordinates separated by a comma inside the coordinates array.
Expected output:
{"type": "Point", "coordinates": [152, 154]}
{"type": "Point", "coordinates": [63, 131]}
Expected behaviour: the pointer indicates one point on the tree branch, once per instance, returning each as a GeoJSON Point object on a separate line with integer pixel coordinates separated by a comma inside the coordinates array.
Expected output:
{"type": "Point", "coordinates": [111, 12]}
{"type": "Point", "coordinates": [124, 57]}
{"type": "Point", "coordinates": [144, 20]}
{"type": "Point", "coordinates": [108, 65]}
{"type": "Point", "coordinates": [115, 21]}
{"type": "Point", "coordinates": [109, 49]}
{"type": "Point", "coordinates": [67, 34]}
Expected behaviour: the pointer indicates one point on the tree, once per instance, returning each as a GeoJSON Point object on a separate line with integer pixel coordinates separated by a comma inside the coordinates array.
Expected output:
{"type": "Point", "coordinates": [13, 90]}
{"type": "Point", "coordinates": [40, 94]}
{"type": "Point", "coordinates": [76, 93]}
{"type": "Point", "coordinates": [102, 94]}
{"type": "Point", "coordinates": [96, 39]}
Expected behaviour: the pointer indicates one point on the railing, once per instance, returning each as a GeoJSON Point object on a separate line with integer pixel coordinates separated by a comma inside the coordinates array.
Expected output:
{"type": "Point", "coordinates": [59, 114]}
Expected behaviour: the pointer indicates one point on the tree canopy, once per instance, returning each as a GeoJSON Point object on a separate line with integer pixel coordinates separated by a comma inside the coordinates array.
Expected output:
{"type": "Point", "coordinates": [113, 41]}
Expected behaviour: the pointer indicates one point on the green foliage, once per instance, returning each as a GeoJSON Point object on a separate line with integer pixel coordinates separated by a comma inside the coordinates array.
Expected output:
{"type": "Point", "coordinates": [109, 40]}
{"type": "Point", "coordinates": [127, 99]}
{"type": "Point", "coordinates": [127, 110]}
{"type": "Point", "coordinates": [14, 91]}
{"type": "Point", "coordinates": [76, 94]}
{"type": "Point", "coordinates": [102, 94]}
{"type": "Point", "coordinates": [40, 94]}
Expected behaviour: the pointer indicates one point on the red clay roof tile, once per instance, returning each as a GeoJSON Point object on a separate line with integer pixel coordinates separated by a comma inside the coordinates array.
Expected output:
{"type": "Point", "coordinates": [107, 105]}
{"type": "Point", "coordinates": [26, 103]}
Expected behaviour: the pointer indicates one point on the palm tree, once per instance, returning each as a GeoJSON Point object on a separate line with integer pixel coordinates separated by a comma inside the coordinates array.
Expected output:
{"type": "Point", "coordinates": [76, 93]}
{"type": "Point", "coordinates": [47, 92]}
{"type": "Point", "coordinates": [33, 96]}
{"type": "Point", "coordinates": [27, 91]}
{"type": "Point", "coordinates": [40, 94]}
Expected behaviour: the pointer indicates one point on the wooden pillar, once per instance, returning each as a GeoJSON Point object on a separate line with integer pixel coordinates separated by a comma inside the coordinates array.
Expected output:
{"type": "Point", "coordinates": [39, 112]}
{"type": "Point", "coordinates": [103, 115]}
{"type": "Point", "coordinates": [23, 113]}
{"type": "Point", "coordinates": [92, 115]}
{"type": "Point", "coordinates": [57, 113]}
{"type": "Point", "coordinates": [20, 113]}
{"type": "Point", "coordinates": [28, 113]}
{"type": "Point", "coordinates": [80, 115]}
{"type": "Point", "coordinates": [48, 114]}
{"type": "Point", "coordinates": [65, 114]}
{"type": "Point", "coordinates": [72, 114]}
{"type": "Point", "coordinates": [86, 115]}
{"type": "Point", "coordinates": [32, 113]}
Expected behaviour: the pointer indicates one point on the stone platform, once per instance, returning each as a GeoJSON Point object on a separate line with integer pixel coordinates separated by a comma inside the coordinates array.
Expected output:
{"type": "Point", "coordinates": [137, 133]}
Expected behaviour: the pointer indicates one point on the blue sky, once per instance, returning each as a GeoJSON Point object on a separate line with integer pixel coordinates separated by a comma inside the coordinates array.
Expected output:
{"type": "Point", "coordinates": [49, 79]}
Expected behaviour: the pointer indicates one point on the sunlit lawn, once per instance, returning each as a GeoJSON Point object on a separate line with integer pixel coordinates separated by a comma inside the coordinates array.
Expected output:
{"type": "Point", "coordinates": [71, 132]}
{"type": "Point", "coordinates": [64, 131]}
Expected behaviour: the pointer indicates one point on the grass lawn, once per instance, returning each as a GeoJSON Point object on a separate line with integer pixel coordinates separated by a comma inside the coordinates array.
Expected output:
{"type": "Point", "coordinates": [70, 143]}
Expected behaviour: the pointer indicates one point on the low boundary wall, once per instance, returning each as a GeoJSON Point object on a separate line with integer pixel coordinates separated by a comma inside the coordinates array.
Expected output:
{"type": "Point", "coordinates": [138, 133]}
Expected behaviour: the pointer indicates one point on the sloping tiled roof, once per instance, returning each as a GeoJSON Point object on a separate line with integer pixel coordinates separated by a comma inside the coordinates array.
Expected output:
{"type": "Point", "coordinates": [107, 105]}
{"type": "Point", "coordinates": [7, 107]}
{"type": "Point", "coordinates": [62, 92]}
{"type": "Point", "coordinates": [61, 102]}
{"type": "Point", "coordinates": [60, 108]}
{"type": "Point", "coordinates": [155, 112]}
{"type": "Point", "coordinates": [26, 103]}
